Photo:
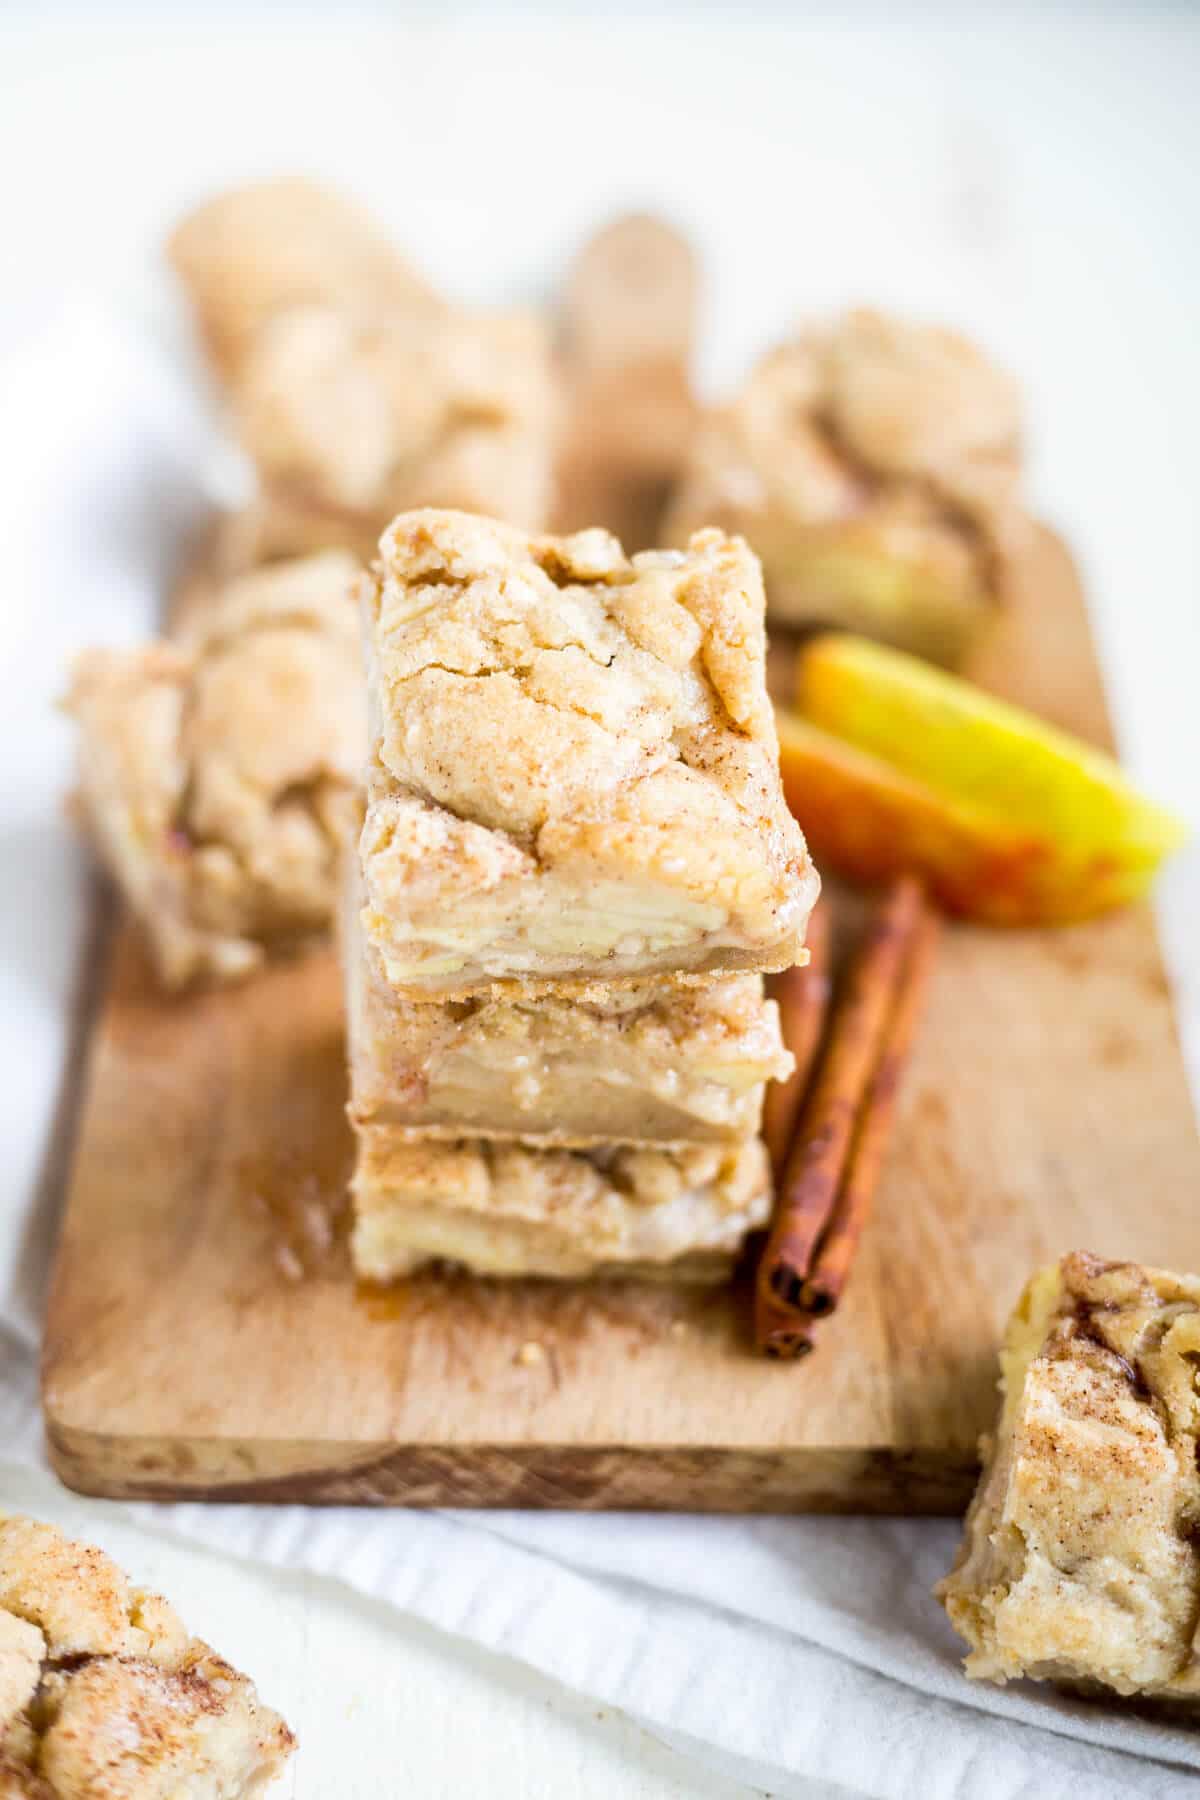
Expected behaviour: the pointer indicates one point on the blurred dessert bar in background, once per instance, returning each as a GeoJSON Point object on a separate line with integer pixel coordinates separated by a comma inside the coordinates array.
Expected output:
{"type": "Point", "coordinates": [1080, 1561]}
{"type": "Point", "coordinates": [253, 253]}
{"type": "Point", "coordinates": [354, 389]}
{"type": "Point", "coordinates": [214, 767]}
{"type": "Point", "coordinates": [874, 466]}
{"type": "Point", "coordinates": [350, 418]}
{"type": "Point", "coordinates": [103, 1693]}
{"type": "Point", "coordinates": [574, 769]}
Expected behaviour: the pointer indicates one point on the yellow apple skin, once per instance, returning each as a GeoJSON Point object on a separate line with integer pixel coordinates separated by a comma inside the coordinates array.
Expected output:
{"type": "Point", "coordinates": [994, 756]}
{"type": "Point", "coordinates": [868, 820]}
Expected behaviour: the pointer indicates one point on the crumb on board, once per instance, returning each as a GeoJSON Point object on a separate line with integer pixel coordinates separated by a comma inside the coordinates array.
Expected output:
{"type": "Point", "coordinates": [288, 1262]}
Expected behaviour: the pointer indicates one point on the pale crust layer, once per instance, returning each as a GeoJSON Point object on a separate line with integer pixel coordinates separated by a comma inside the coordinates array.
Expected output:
{"type": "Point", "coordinates": [874, 466]}
{"type": "Point", "coordinates": [575, 772]}
{"type": "Point", "coordinates": [103, 1696]}
{"type": "Point", "coordinates": [1080, 1561]}
{"type": "Point", "coordinates": [636, 1064]}
{"type": "Point", "coordinates": [214, 768]}
{"type": "Point", "coordinates": [504, 1209]}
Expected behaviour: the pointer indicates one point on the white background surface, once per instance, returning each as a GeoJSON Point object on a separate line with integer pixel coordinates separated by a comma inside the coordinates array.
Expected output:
{"type": "Point", "coordinates": [1030, 176]}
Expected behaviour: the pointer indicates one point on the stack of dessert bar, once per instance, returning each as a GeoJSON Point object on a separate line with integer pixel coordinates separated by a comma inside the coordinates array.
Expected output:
{"type": "Point", "coordinates": [576, 863]}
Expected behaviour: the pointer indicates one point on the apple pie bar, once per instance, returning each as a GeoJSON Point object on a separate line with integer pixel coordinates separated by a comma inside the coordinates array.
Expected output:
{"type": "Point", "coordinates": [214, 767]}
{"type": "Point", "coordinates": [631, 1064]}
{"type": "Point", "coordinates": [1081, 1557]}
{"type": "Point", "coordinates": [104, 1696]}
{"type": "Point", "coordinates": [506, 1209]}
{"type": "Point", "coordinates": [574, 770]}
{"type": "Point", "coordinates": [874, 466]}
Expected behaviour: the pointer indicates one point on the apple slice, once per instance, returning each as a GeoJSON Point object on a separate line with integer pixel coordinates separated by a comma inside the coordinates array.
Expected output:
{"type": "Point", "coordinates": [892, 765]}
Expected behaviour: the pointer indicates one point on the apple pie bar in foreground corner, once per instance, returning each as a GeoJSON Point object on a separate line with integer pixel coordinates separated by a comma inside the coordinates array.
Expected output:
{"type": "Point", "coordinates": [104, 1696]}
{"type": "Point", "coordinates": [1080, 1562]}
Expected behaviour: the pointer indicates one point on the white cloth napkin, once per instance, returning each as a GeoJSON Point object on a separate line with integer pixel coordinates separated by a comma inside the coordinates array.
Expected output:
{"type": "Point", "coordinates": [804, 1654]}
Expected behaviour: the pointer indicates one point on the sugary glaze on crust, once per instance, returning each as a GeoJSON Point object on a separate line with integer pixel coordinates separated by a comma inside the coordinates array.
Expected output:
{"type": "Point", "coordinates": [103, 1696]}
{"type": "Point", "coordinates": [1080, 1559]}
{"type": "Point", "coordinates": [214, 768]}
{"type": "Point", "coordinates": [575, 771]}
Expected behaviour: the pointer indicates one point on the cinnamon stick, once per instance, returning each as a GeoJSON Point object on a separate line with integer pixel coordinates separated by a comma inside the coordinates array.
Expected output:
{"type": "Point", "coordinates": [835, 1254]}
{"type": "Point", "coordinates": [802, 995]}
{"type": "Point", "coordinates": [817, 1161]}
{"type": "Point", "coordinates": [779, 1334]}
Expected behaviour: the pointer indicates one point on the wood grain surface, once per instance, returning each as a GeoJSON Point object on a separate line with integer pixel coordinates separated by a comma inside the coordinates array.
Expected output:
{"type": "Point", "coordinates": [205, 1338]}
{"type": "Point", "coordinates": [629, 316]}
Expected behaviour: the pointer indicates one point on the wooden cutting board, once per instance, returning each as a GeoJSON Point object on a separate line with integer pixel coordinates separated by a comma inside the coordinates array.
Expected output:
{"type": "Point", "coordinates": [205, 1339]}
